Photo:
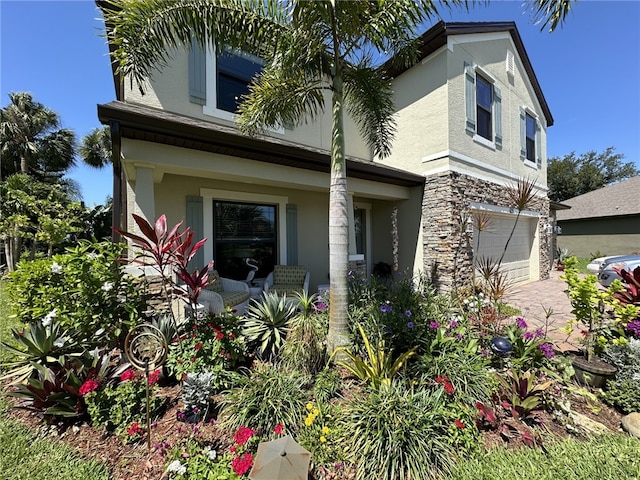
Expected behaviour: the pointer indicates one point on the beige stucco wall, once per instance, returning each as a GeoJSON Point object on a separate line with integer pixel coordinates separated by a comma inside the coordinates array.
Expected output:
{"type": "Point", "coordinates": [169, 90]}
{"type": "Point", "coordinates": [431, 113]}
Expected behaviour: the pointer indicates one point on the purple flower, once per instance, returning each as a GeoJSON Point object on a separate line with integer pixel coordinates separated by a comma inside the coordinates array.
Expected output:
{"type": "Point", "coordinates": [321, 306]}
{"type": "Point", "coordinates": [520, 323]}
{"type": "Point", "coordinates": [459, 336]}
{"type": "Point", "coordinates": [484, 352]}
{"type": "Point", "coordinates": [385, 308]}
{"type": "Point", "coordinates": [547, 350]}
{"type": "Point", "coordinates": [410, 325]}
{"type": "Point", "coordinates": [528, 336]}
{"type": "Point", "coordinates": [538, 333]}
{"type": "Point", "coordinates": [453, 323]}
{"type": "Point", "coordinates": [434, 325]}
{"type": "Point", "coordinates": [633, 327]}
{"type": "Point", "coordinates": [407, 313]}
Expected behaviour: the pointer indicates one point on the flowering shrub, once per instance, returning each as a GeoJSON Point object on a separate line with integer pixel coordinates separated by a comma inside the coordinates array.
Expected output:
{"type": "Point", "coordinates": [531, 349]}
{"type": "Point", "coordinates": [211, 343]}
{"type": "Point", "coordinates": [121, 406]}
{"type": "Point", "coordinates": [82, 290]}
{"type": "Point", "coordinates": [320, 434]}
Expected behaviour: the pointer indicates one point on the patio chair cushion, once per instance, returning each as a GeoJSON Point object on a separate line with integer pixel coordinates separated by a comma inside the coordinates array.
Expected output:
{"type": "Point", "coordinates": [216, 283]}
{"type": "Point", "coordinates": [231, 299]}
{"type": "Point", "coordinates": [287, 277]}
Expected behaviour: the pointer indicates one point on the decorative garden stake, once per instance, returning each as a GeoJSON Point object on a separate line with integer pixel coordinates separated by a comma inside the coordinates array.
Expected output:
{"type": "Point", "coordinates": [146, 348]}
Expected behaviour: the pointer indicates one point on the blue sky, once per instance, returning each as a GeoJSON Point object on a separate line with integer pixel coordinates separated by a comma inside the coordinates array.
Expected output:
{"type": "Point", "coordinates": [589, 71]}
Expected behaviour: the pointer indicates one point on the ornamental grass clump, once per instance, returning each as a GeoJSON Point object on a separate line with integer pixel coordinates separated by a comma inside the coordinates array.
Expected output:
{"type": "Point", "coordinates": [399, 433]}
{"type": "Point", "coordinates": [271, 395]}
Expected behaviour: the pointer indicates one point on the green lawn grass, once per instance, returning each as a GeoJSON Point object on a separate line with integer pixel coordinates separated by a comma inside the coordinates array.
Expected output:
{"type": "Point", "coordinates": [608, 457]}
{"type": "Point", "coordinates": [7, 322]}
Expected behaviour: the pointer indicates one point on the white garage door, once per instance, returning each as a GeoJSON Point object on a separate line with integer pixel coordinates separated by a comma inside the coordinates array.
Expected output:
{"type": "Point", "coordinates": [490, 242]}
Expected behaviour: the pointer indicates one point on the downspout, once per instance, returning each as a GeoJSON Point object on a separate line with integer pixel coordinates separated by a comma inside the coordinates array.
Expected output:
{"type": "Point", "coordinates": [116, 148]}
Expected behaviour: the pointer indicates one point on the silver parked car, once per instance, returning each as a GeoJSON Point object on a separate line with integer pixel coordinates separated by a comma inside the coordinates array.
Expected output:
{"type": "Point", "coordinates": [607, 273]}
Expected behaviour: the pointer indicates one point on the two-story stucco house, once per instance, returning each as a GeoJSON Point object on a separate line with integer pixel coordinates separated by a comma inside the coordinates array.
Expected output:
{"type": "Point", "coordinates": [471, 120]}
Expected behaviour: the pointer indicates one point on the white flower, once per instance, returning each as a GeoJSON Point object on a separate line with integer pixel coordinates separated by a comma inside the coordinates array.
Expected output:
{"type": "Point", "coordinates": [55, 268]}
{"type": "Point", "coordinates": [177, 467]}
{"type": "Point", "coordinates": [212, 454]}
{"type": "Point", "coordinates": [46, 321]}
{"type": "Point", "coordinates": [107, 286]}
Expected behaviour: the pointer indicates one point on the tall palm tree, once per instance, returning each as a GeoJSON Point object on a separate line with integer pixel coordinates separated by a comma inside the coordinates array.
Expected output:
{"type": "Point", "coordinates": [95, 148]}
{"type": "Point", "coordinates": [311, 47]}
{"type": "Point", "coordinates": [31, 140]}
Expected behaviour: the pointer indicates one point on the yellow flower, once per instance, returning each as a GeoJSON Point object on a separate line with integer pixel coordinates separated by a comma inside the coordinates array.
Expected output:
{"type": "Point", "coordinates": [323, 439]}
{"type": "Point", "coordinates": [325, 430]}
{"type": "Point", "coordinates": [309, 406]}
{"type": "Point", "coordinates": [309, 420]}
{"type": "Point", "coordinates": [568, 329]}
{"type": "Point", "coordinates": [316, 412]}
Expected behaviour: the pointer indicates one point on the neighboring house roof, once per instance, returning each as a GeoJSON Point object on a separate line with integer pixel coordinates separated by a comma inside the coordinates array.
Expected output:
{"type": "Point", "coordinates": [436, 37]}
{"type": "Point", "coordinates": [613, 201]}
{"type": "Point", "coordinates": [159, 126]}
{"type": "Point", "coordinates": [558, 206]}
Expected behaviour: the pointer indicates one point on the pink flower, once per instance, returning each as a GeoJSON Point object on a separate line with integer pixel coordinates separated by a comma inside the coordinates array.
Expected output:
{"type": "Point", "coordinates": [242, 464]}
{"type": "Point", "coordinates": [219, 336]}
{"type": "Point", "coordinates": [127, 375]}
{"type": "Point", "coordinates": [278, 429]}
{"type": "Point", "coordinates": [243, 435]}
{"type": "Point", "coordinates": [459, 424]}
{"type": "Point", "coordinates": [88, 386]}
{"type": "Point", "coordinates": [154, 377]}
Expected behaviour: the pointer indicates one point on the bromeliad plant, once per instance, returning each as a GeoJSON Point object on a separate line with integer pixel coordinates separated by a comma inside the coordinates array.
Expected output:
{"type": "Point", "coordinates": [379, 366]}
{"type": "Point", "coordinates": [522, 392]}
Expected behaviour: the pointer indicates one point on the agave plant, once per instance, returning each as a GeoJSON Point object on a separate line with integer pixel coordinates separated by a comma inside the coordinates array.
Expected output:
{"type": "Point", "coordinates": [38, 344]}
{"type": "Point", "coordinates": [267, 323]}
{"type": "Point", "coordinates": [378, 368]}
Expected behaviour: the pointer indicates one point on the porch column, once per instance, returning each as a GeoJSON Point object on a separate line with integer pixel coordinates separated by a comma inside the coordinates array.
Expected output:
{"type": "Point", "coordinates": [145, 196]}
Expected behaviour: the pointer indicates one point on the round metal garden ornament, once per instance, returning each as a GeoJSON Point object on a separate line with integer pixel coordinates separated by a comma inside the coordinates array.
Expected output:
{"type": "Point", "coordinates": [146, 349]}
{"type": "Point", "coordinates": [501, 347]}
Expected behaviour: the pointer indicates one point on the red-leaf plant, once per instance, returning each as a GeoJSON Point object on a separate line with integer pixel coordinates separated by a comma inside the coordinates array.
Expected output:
{"type": "Point", "coordinates": [170, 251]}
{"type": "Point", "coordinates": [631, 293]}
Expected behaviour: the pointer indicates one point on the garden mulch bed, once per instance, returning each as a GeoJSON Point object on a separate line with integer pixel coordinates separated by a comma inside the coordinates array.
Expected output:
{"type": "Point", "coordinates": [135, 461]}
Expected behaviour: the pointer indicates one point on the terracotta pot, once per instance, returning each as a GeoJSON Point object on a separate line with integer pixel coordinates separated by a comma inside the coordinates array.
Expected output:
{"type": "Point", "coordinates": [594, 372]}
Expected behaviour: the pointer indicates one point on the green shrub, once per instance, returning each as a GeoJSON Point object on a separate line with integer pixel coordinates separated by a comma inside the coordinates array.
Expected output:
{"type": "Point", "coordinates": [121, 407]}
{"type": "Point", "coordinates": [623, 392]}
{"type": "Point", "coordinates": [270, 396]}
{"type": "Point", "coordinates": [399, 433]}
{"type": "Point", "coordinates": [81, 289]}
{"type": "Point", "coordinates": [321, 433]}
{"type": "Point", "coordinates": [266, 323]}
{"type": "Point", "coordinates": [327, 385]}
{"type": "Point", "coordinates": [213, 344]}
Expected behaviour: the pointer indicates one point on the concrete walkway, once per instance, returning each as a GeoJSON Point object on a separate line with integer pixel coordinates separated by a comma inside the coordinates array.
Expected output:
{"type": "Point", "coordinates": [535, 297]}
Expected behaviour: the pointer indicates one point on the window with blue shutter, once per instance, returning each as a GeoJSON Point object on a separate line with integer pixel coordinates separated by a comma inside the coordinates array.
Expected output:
{"type": "Point", "coordinates": [195, 221]}
{"type": "Point", "coordinates": [483, 107]}
{"type": "Point", "coordinates": [530, 138]}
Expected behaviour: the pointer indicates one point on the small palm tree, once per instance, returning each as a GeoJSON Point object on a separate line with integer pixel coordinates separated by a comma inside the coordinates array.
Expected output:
{"type": "Point", "coordinates": [95, 149]}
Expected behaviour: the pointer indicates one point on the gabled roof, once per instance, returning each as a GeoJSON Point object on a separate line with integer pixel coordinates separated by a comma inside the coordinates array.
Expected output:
{"type": "Point", "coordinates": [159, 126]}
{"type": "Point", "coordinates": [615, 200]}
{"type": "Point", "coordinates": [436, 37]}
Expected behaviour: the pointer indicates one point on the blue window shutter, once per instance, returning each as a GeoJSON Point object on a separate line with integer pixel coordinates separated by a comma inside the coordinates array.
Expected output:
{"type": "Point", "coordinates": [470, 96]}
{"type": "Point", "coordinates": [497, 112]}
{"type": "Point", "coordinates": [194, 220]}
{"type": "Point", "coordinates": [523, 134]}
{"type": "Point", "coordinates": [292, 234]}
{"type": "Point", "coordinates": [538, 144]}
{"type": "Point", "coordinates": [197, 74]}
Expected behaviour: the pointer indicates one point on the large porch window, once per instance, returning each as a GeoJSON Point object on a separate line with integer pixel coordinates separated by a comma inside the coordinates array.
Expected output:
{"type": "Point", "coordinates": [243, 231]}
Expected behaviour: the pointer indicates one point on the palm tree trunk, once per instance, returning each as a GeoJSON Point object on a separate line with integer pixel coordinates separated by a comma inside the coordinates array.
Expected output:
{"type": "Point", "coordinates": [24, 165]}
{"type": "Point", "coordinates": [338, 334]}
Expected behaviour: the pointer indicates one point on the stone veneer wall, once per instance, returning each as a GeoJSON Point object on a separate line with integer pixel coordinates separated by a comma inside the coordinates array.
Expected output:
{"type": "Point", "coordinates": [448, 252]}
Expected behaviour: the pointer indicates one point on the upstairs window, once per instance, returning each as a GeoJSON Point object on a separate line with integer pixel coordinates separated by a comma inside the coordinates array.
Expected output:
{"type": "Point", "coordinates": [530, 137]}
{"type": "Point", "coordinates": [483, 108]}
{"type": "Point", "coordinates": [234, 70]}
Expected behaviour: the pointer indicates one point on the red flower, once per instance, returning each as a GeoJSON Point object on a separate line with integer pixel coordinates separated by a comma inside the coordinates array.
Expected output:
{"type": "Point", "coordinates": [219, 336]}
{"type": "Point", "coordinates": [232, 449]}
{"type": "Point", "coordinates": [88, 386]}
{"type": "Point", "coordinates": [232, 335]}
{"type": "Point", "coordinates": [448, 387]}
{"type": "Point", "coordinates": [242, 464]}
{"type": "Point", "coordinates": [243, 435]}
{"type": "Point", "coordinates": [127, 375]}
{"type": "Point", "coordinates": [459, 424]}
{"type": "Point", "coordinates": [278, 429]}
{"type": "Point", "coordinates": [198, 346]}
{"type": "Point", "coordinates": [134, 429]}
{"type": "Point", "coordinates": [154, 377]}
